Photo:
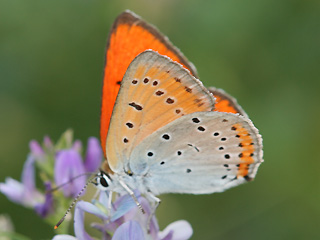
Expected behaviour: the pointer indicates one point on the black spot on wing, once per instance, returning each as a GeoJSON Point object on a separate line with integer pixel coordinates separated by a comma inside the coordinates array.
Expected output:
{"type": "Point", "coordinates": [195, 120]}
{"type": "Point", "coordinates": [159, 93]}
{"type": "Point", "coordinates": [136, 106]}
{"type": "Point", "coordinates": [170, 100]}
{"type": "Point", "coordinates": [201, 129]}
{"type": "Point", "coordinates": [189, 90]}
{"type": "Point", "coordinates": [177, 80]}
{"type": "Point", "coordinates": [166, 136]}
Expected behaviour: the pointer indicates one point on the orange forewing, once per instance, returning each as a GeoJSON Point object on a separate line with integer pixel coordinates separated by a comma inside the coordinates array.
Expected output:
{"type": "Point", "coordinates": [130, 36]}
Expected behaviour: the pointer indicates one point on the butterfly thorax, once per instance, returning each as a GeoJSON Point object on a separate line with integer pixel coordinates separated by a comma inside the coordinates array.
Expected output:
{"type": "Point", "coordinates": [131, 180]}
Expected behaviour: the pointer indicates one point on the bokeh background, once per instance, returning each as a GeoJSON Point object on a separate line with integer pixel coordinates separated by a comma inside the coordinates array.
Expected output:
{"type": "Point", "coordinates": [266, 53]}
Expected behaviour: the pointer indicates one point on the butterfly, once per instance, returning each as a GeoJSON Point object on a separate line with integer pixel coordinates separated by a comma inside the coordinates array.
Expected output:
{"type": "Point", "coordinates": [161, 130]}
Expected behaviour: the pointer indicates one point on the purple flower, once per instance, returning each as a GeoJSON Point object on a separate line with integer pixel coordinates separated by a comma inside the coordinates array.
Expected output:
{"type": "Point", "coordinates": [25, 192]}
{"type": "Point", "coordinates": [129, 230]}
{"type": "Point", "coordinates": [47, 143]}
{"type": "Point", "coordinates": [125, 221]}
{"type": "Point", "coordinates": [69, 166]}
{"type": "Point", "coordinates": [36, 150]}
{"type": "Point", "coordinates": [44, 209]}
{"type": "Point", "coordinates": [93, 155]}
{"type": "Point", "coordinates": [60, 163]}
{"type": "Point", "coordinates": [77, 146]}
{"type": "Point", "coordinates": [176, 231]}
{"type": "Point", "coordinates": [64, 237]}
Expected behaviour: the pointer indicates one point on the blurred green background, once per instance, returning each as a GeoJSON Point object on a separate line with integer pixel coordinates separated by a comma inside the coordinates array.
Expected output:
{"type": "Point", "coordinates": [266, 53]}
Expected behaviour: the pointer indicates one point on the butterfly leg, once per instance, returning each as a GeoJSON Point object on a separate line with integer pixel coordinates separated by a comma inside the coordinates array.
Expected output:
{"type": "Point", "coordinates": [110, 201]}
{"type": "Point", "coordinates": [96, 194]}
{"type": "Point", "coordinates": [131, 193]}
{"type": "Point", "coordinates": [156, 202]}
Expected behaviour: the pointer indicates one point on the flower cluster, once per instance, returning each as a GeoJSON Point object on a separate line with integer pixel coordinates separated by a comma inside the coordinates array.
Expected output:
{"type": "Point", "coordinates": [64, 165]}
{"type": "Point", "coordinates": [56, 164]}
{"type": "Point", "coordinates": [124, 221]}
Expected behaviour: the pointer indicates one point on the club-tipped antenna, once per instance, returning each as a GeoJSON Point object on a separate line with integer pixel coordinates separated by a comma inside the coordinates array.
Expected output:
{"type": "Point", "coordinates": [74, 202]}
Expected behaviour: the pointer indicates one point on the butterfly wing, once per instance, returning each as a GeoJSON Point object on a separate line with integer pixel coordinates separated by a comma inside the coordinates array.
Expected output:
{"type": "Point", "coordinates": [154, 92]}
{"type": "Point", "coordinates": [204, 152]}
{"type": "Point", "coordinates": [225, 102]}
{"type": "Point", "coordinates": [129, 36]}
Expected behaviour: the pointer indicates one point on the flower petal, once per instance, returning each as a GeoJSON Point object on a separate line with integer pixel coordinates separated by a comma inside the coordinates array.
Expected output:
{"type": "Point", "coordinates": [36, 150]}
{"type": "Point", "coordinates": [23, 193]}
{"type": "Point", "coordinates": [69, 165]}
{"type": "Point", "coordinates": [64, 237]}
{"type": "Point", "coordinates": [44, 209]}
{"type": "Point", "coordinates": [13, 190]}
{"type": "Point", "coordinates": [47, 142]}
{"type": "Point", "coordinates": [104, 232]}
{"type": "Point", "coordinates": [27, 176]}
{"type": "Point", "coordinates": [19, 193]}
{"type": "Point", "coordinates": [130, 230]}
{"type": "Point", "coordinates": [79, 230]}
{"type": "Point", "coordinates": [179, 230]}
{"type": "Point", "coordinates": [31, 196]}
{"type": "Point", "coordinates": [93, 155]}
{"type": "Point", "coordinates": [123, 205]}
{"type": "Point", "coordinates": [90, 208]}
{"type": "Point", "coordinates": [77, 145]}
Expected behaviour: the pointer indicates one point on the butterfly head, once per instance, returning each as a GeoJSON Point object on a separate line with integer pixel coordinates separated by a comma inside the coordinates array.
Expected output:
{"type": "Point", "coordinates": [103, 181]}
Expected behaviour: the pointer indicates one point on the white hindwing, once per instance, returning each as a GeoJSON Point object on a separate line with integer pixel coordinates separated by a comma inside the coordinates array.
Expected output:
{"type": "Point", "coordinates": [202, 152]}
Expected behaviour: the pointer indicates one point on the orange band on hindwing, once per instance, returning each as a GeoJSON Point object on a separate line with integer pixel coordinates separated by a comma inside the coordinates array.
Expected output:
{"type": "Point", "coordinates": [247, 145]}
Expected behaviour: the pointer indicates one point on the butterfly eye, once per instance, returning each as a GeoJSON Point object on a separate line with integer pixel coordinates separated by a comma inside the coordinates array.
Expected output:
{"type": "Point", "coordinates": [104, 182]}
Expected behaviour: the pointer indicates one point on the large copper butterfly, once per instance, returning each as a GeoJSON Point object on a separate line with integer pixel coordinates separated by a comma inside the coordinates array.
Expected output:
{"type": "Point", "coordinates": [162, 131]}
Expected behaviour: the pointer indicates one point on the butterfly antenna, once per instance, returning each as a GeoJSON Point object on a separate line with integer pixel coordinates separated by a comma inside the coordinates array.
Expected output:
{"type": "Point", "coordinates": [66, 183]}
{"type": "Point", "coordinates": [74, 202]}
